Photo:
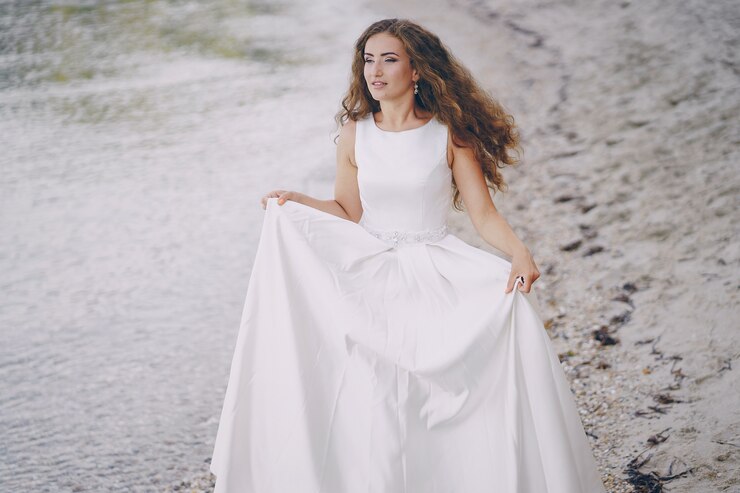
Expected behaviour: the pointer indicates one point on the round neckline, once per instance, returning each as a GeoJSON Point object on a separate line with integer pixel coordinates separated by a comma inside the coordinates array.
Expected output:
{"type": "Point", "coordinates": [375, 124]}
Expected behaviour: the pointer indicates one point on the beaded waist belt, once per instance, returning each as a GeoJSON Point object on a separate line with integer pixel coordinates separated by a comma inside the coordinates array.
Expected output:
{"type": "Point", "coordinates": [405, 237]}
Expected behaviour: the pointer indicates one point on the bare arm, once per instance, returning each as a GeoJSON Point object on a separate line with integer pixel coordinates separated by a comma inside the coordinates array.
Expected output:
{"type": "Point", "coordinates": [488, 222]}
{"type": "Point", "coordinates": [346, 202]}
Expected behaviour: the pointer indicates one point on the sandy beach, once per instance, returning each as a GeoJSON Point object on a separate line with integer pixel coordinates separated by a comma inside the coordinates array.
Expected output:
{"type": "Point", "coordinates": [627, 196]}
{"type": "Point", "coordinates": [138, 138]}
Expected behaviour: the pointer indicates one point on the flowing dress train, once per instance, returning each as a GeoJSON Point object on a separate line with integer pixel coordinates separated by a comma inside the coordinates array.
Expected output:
{"type": "Point", "coordinates": [384, 356]}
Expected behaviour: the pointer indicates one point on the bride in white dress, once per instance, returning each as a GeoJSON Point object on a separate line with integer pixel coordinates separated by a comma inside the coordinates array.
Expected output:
{"type": "Point", "coordinates": [377, 352]}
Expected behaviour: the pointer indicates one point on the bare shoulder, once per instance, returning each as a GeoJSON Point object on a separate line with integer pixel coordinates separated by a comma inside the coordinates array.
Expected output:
{"type": "Point", "coordinates": [347, 132]}
{"type": "Point", "coordinates": [346, 143]}
{"type": "Point", "coordinates": [450, 149]}
{"type": "Point", "coordinates": [457, 149]}
{"type": "Point", "coordinates": [454, 148]}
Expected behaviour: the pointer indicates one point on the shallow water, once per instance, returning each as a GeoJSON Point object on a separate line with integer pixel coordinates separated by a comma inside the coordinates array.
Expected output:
{"type": "Point", "coordinates": [137, 138]}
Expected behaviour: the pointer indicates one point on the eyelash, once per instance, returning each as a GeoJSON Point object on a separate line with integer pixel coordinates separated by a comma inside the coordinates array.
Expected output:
{"type": "Point", "coordinates": [367, 60]}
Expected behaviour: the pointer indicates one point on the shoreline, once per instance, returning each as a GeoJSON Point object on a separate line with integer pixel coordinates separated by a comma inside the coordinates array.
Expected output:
{"type": "Point", "coordinates": [627, 197]}
{"type": "Point", "coordinates": [633, 233]}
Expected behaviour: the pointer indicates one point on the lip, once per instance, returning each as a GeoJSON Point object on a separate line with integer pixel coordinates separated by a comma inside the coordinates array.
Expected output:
{"type": "Point", "coordinates": [378, 84]}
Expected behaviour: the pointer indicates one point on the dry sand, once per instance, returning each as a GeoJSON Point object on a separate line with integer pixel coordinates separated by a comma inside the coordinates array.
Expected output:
{"type": "Point", "coordinates": [628, 198]}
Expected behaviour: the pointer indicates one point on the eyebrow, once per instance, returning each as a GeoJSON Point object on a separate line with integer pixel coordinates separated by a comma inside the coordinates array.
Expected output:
{"type": "Point", "coordinates": [382, 54]}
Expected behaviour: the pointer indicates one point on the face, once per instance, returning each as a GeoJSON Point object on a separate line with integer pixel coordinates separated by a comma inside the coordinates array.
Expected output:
{"type": "Point", "coordinates": [386, 61]}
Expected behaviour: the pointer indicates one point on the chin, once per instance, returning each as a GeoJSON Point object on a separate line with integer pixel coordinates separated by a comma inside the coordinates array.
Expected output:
{"type": "Point", "coordinates": [379, 97]}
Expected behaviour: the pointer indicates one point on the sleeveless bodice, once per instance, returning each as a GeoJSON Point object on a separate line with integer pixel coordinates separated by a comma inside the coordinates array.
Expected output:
{"type": "Point", "coordinates": [404, 180]}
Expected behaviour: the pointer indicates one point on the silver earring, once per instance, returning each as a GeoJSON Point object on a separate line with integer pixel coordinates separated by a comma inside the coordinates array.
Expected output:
{"type": "Point", "coordinates": [416, 88]}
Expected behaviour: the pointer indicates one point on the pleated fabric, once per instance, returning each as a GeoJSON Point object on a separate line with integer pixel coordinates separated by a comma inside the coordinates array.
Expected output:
{"type": "Point", "coordinates": [368, 365]}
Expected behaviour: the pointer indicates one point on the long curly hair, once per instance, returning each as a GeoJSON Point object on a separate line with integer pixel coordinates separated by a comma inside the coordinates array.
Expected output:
{"type": "Point", "coordinates": [449, 91]}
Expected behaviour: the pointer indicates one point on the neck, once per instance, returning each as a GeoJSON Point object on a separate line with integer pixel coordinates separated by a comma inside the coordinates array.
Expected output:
{"type": "Point", "coordinates": [398, 114]}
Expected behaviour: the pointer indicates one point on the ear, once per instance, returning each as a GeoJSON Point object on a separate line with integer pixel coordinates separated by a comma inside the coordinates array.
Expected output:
{"type": "Point", "coordinates": [414, 73]}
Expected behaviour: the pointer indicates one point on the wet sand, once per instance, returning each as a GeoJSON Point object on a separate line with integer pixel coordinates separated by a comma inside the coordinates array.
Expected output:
{"type": "Point", "coordinates": [627, 197]}
{"type": "Point", "coordinates": [135, 141]}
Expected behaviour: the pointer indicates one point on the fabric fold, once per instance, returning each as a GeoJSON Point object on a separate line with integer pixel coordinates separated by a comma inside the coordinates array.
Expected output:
{"type": "Point", "coordinates": [363, 367]}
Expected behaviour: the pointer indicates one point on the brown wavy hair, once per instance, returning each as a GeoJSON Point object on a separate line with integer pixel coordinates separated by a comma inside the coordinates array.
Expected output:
{"type": "Point", "coordinates": [449, 91]}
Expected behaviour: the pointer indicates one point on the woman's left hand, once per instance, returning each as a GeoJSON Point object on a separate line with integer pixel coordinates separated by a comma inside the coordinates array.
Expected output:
{"type": "Point", "coordinates": [522, 264]}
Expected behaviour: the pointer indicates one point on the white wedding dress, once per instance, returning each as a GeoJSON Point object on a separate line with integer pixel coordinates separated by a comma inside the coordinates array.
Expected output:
{"type": "Point", "coordinates": [385, 357]}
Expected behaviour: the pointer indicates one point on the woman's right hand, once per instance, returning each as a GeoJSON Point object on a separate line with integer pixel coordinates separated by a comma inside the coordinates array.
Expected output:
{"type": "Point", "coordinates": [282, 196]}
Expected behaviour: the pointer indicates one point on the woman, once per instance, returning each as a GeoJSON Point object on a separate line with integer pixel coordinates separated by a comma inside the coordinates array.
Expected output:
{"type": "Point", "coordinates": [377, 352]}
